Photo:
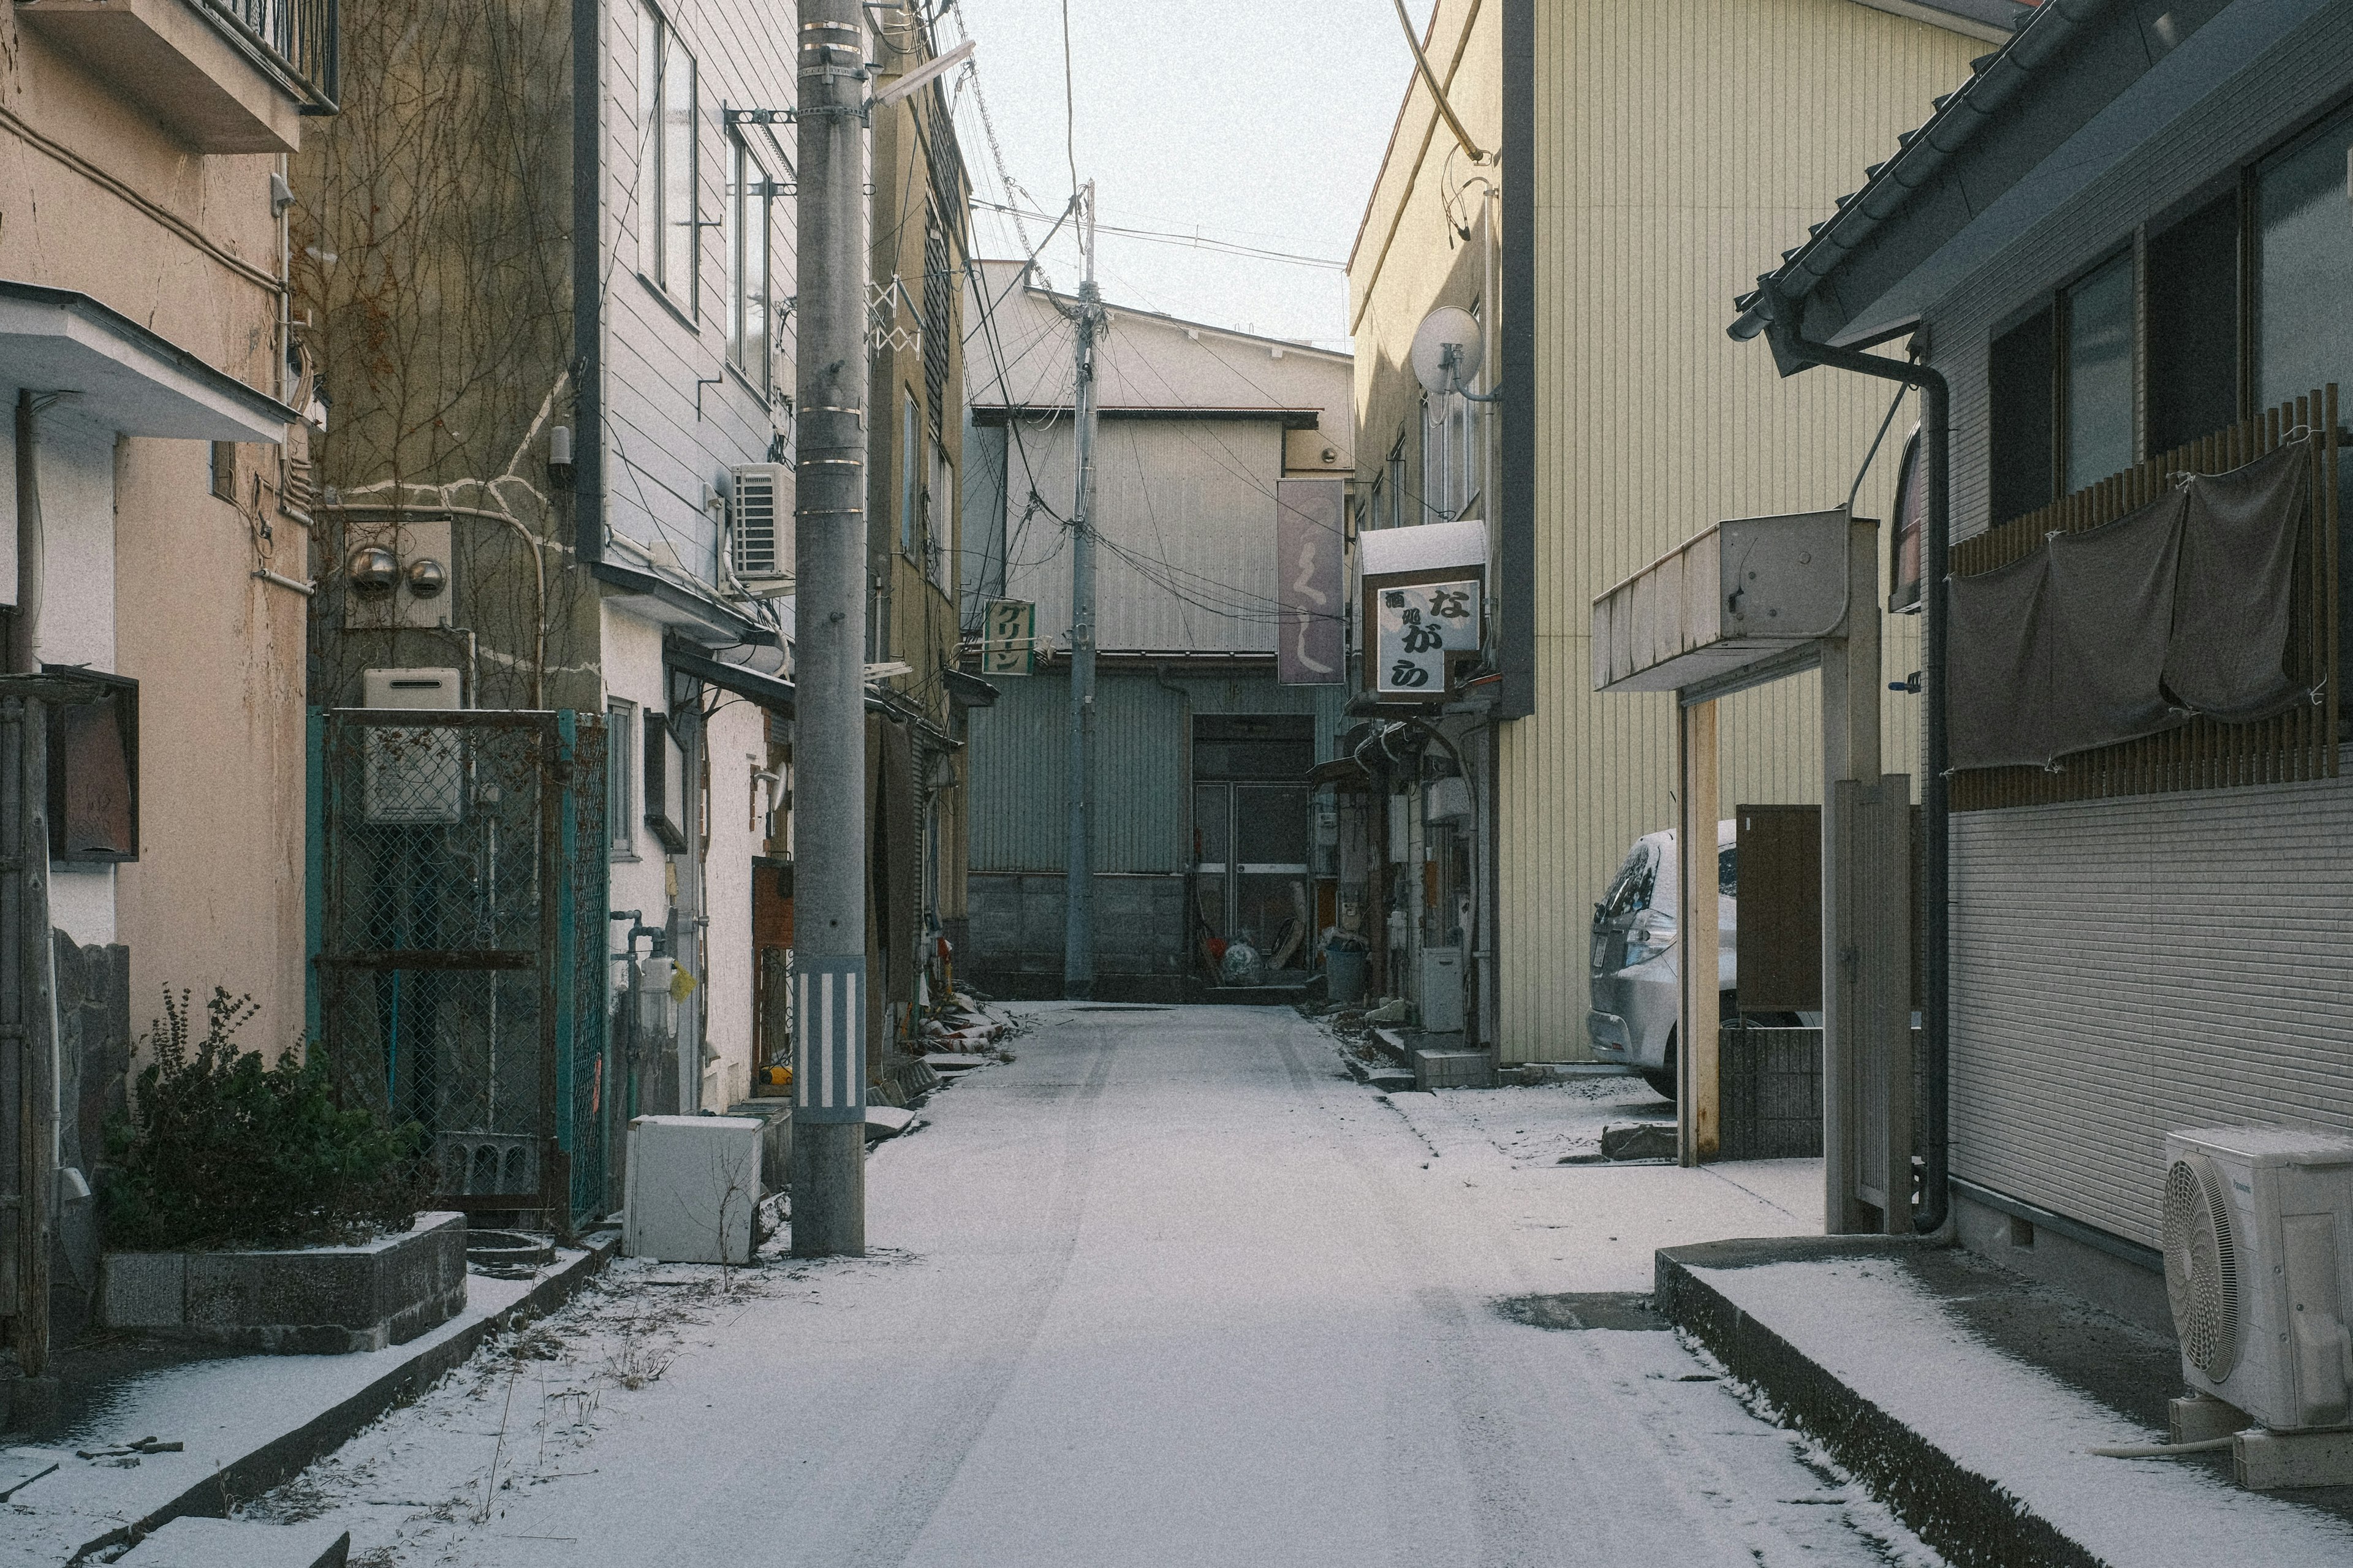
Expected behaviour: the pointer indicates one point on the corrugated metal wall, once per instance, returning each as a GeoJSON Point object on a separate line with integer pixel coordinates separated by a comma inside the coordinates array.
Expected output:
{"type": "Point", "coordinates": [1680, 149]}
{"type": "Point", "coordinates": [2124, 968]}
{"type": "Point", "coordinates": [1020, 753]}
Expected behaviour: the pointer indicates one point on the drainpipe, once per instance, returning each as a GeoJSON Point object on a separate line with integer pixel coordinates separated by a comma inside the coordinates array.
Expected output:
{"type": "Point", "coordinates": [25, 628]}
{"type": "Point", "coordinates": [1935, 796]}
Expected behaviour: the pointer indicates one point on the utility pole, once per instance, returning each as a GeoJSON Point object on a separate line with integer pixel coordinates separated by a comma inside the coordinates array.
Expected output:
{"type": "Point", "coordinates": [1078, 888]}
{"type": "Point", "coordinates": [829, 1157]}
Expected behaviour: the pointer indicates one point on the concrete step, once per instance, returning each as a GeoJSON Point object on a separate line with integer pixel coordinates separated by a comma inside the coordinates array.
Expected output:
{"type": "Point", "coordinates": [240, 1543]}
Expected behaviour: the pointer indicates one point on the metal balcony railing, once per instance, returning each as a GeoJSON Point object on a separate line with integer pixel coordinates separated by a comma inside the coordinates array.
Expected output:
{"type": "Point", "coordinates": [296, 40]}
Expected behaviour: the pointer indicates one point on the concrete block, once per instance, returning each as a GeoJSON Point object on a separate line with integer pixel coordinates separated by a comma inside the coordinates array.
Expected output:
{"type": "Point", "coordinates": [2277, 1461]}
{"type": "Point", "coordinates": [1453, 1069]}
{"type": "Point", "coordinates": [1639, 1141]}
{"type": "Point", "coordinates": [315, 1300]}
{"type": "Point", "coordinates": [887, 1121]}
{"type": "Point", "coordinates": [189, 1542]}
{"type": "Point", "coordinates": [146, 1289]}
{"type": "Point", "coordinates": [2201, 1418]}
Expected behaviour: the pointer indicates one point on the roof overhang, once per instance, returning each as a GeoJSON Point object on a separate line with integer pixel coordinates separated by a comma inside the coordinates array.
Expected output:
{"type": "Point", "coordinates": [2082, 85]}
{"type": "Point", "coordinates": [1745, 601]}
{"type": "Point", "coordinates": [968, 690]}
{"type": "Point", "coordinates": [694, 615]}
{"type": "Point", "coordinates": [770, 692]}
{"type": "Point", "coordinates": [120, 376]}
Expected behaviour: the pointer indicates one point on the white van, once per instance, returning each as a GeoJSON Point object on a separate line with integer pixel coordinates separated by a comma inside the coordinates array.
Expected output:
{"type": "Point", "coordinates": [1635, 960]}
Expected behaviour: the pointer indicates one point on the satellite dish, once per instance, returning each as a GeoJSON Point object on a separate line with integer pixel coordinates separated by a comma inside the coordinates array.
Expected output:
{"type": "Point", "coordinates": [1445, 328]}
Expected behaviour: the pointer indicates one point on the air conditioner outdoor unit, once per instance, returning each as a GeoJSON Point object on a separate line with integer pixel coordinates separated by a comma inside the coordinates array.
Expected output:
{"type": "Point", "coordinates": [414, 776]}
{"type": "Point", "coordinates": [760, 526]}
{"type": "Point", "coordinates": [2259, 1270]}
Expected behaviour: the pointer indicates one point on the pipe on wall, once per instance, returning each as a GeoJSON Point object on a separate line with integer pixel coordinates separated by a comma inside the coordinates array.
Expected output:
{"type": "Point", "coordinates": [1936, 967]}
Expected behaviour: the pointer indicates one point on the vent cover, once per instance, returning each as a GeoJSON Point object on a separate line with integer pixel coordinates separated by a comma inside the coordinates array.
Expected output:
{"type": "Point", "coordinates": [2201, 1266]}
{"type": "Point", "coordinates": [761, 539]}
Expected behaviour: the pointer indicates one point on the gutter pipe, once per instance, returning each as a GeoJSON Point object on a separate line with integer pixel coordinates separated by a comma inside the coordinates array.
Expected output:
{"type": "Point", "coordinates": [1936, 967]}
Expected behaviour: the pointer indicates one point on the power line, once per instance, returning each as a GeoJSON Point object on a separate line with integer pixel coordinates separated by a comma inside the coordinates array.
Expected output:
{"type": "Point", "coordinates": [1195, 241]}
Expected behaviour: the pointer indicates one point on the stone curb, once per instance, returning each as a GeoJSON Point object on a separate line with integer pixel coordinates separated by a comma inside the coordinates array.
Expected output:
{"type": "Point", "coordinates": [288, 1453]}
{"type": "Point", "coordinates": [1968, 1518]}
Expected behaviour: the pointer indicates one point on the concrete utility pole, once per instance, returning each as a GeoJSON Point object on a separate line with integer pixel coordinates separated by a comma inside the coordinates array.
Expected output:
{"type": "Point", "coordinates": [829, 1157]}
{"type": "Point", "coordinates": [1078, 888]}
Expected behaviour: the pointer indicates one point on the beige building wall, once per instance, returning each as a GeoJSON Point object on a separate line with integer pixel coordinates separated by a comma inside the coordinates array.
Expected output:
{"type": "Point", "coordinates": [98, 197]}
{"type": "Point", "coordinates": [1677, 148]}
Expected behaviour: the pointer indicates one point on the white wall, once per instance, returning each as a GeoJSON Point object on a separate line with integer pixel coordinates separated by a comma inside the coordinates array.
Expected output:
{"type": "Point", "coordinates": [75, 461]}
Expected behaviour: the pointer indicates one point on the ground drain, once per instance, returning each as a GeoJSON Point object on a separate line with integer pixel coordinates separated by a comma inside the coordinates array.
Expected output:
{"type": "Point", "coordinates": [1622, 1310]}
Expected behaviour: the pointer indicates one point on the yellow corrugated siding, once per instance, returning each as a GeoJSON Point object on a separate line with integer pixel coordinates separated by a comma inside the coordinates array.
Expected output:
{"type": "Point", "coordinates": [1679, 149]}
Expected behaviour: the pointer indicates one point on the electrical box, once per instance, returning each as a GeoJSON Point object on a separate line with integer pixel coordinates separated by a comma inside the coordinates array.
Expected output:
{"type": "Point", "coordinates": [1440, 998]}
{"type": "Point", "coordinates": [1446, 800]}
{"type": "Point", "coordinates": [693, 1186]}
{"type": "Point", "coordinates": [760, 526]}
{"type": "Point", "coordinates": [414, 776]}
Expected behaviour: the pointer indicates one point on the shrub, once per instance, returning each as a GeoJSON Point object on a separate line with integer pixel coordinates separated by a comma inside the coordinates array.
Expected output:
{"type": "Point", "coordinates": [223, 1150]}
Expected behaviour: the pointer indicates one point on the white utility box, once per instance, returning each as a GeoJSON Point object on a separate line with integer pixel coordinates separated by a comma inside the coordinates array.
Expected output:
{"type": "Point", "coordinates": [1441, 989]}
{"type": "Point", "coordinates": [693, 1183]}
{"type": "Point", "coordinates": [2259, 1267]}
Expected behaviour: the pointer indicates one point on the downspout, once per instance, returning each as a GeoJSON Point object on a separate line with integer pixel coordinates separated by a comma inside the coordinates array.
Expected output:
{"type": "Point", "coordinates": [1935, 796]}
{"type": "Point", "coordinates": [24, 626]}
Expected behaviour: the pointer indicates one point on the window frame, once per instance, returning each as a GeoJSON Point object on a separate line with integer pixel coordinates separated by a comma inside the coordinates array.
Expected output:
{"type": "Point", "coordinates": [910, 478]}
{"type": "Point", "coordinates": [749, 213]}
{"type": "Point", "coordinates": [621, 780]}
{"type": "Point", "coordinates": [661, 195]}
{"type": "Point", "coordinates": [665, 797]}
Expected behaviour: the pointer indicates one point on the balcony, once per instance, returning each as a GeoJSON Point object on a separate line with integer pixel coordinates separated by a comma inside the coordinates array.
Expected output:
{"type": "Point", "coordinates": [223, 76]}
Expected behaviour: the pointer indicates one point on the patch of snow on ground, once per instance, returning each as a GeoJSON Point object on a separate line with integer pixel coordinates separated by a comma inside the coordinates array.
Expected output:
{"type": "Point", "coordinates": [1893, 1342]}
{"type": "Point", "coordinates": [1543, 1124]}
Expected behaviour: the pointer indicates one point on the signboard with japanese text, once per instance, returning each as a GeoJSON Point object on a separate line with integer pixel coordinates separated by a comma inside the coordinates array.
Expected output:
{"type": "Point", "coordinates": [1309, 544]}
{"type": "Point", "coordinates": [1416, 626]}
{"type": "Point", "coordinates": [1009, 638]}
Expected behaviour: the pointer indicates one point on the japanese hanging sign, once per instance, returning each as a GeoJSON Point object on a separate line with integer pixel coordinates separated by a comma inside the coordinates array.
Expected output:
{"type": "Point", "coordinates": [1308, 543]}
{"type": "Point", "coordinates": [1009, 638]}
{"type": "Point", "coordinates": [1415, 627]}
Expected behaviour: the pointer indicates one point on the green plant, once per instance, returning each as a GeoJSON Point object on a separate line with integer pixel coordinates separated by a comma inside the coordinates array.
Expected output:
{"type": "Point", "coordinates": [223, 1149]}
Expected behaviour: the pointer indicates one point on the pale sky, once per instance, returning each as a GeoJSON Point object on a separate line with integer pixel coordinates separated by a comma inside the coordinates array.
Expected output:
{"type": "Point", "coordinates": [1257, 122]}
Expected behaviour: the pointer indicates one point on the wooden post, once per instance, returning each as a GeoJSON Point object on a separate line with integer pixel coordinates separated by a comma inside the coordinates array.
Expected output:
{"type": "Point", "coordinates": [1699, 1126]}
{"type": "Point", "coordinates": [1850, 685]}
{"type": "Point", "coordinates": [28, 1014]}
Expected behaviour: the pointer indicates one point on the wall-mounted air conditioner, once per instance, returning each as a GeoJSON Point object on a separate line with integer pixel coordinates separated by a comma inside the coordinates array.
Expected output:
{"type": "Point", "coordinates": [2259, 1270]}
{"type": "Point", "coordinates": [414, 774]}
{"type": "Point", "coordinates": [760, 526]}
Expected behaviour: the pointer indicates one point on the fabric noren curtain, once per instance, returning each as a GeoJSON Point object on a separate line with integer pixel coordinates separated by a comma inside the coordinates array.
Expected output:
{"type": "Point", "coordinates": [2126, 630]}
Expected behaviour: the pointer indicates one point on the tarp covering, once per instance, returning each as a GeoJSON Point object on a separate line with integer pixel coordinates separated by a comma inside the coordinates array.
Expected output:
{"type": "Point", "coordinates": [2228, 655]}
{"type": "Point", "coordinates": [2181, 608]}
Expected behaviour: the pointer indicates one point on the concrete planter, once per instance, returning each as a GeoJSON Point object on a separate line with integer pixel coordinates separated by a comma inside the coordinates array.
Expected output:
{"type": "Point", "coordinates": [313, 1300]}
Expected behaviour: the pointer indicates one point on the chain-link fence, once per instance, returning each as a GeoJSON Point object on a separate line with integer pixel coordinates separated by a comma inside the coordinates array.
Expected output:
{"type": "Point", "coordinates": [460, 893]}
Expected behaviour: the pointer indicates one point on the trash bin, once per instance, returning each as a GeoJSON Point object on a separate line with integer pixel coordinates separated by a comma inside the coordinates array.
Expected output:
{"type": "Point", "coordinates": [1344, 973]}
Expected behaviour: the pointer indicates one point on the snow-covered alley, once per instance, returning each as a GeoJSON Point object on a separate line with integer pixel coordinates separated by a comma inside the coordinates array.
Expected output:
{"type": "Point", "coordinates": [1168, 1288]}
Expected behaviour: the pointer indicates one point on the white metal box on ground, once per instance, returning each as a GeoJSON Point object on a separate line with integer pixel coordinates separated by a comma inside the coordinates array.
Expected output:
{"type": "Point", "coordinates": [2259, 1269]}
{"type": "Point", "coordinates": [1441, 997]}
{"type": "Point", "coordinates": [693, 1182]}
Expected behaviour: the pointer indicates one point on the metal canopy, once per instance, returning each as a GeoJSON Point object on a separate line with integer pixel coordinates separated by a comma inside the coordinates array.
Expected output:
{"type": "Point", "coordinates": [123, 376]}
{"type": "Point", "coordinates": [1745, 600]}
{"type": "Point", "coordinates": [692, 614]}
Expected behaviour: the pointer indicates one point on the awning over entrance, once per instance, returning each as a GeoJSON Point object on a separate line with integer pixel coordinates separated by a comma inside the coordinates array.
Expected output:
{"type": "Point", "coordinates": [770, 692]}
{"type": "Point", "coordinates": [1746, 599]}
{"type": "Point", "coordinates": [122, 375]}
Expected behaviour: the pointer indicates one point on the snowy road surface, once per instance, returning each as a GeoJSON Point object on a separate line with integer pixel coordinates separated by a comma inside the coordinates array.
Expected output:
{"type": "Point", "coordinates": [1169, 1288]}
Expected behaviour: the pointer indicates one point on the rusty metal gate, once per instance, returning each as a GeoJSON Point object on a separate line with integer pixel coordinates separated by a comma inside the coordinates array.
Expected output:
{"type": "Point", "coordinates": [457, 868]}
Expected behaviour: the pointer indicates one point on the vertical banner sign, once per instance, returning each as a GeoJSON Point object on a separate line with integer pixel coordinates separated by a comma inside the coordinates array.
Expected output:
{"type": "Point", "coordinates": [1416, 626]}
{"type": "Point", "coordinates": [830, 1039]}
{"type": "Point", "coordinates": [1009, 638]}
{"type": "Point", "coordinates": [1308, 515]}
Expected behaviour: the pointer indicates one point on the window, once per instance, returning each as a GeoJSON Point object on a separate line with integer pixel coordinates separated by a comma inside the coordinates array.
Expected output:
{"type": "Point", "coordinates": [621, 778]}
{"type": "Point", "coordinates": [910, 475]}
{"type": "Point", "coordinates": [2099, 374]}
{"type": "Point", "coordinates": [665, 780]}
{"type": "Point", "coordinates": [2193, 326]}
{"type": "Point", "coordinates": [2025, 475]}
{"type": "Point", "coordinates": [667, 224]}
{"type": "Point", "coordinates": [94, 771]}
{"type": "Point", "coordinates": [941, 528]}
{"type": "Point", "coordinates": [749, 219]}
{"type": "Point", "coordinates": [1397, 515]}
{"type": "Point", "coordinates": [2304, 265]}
